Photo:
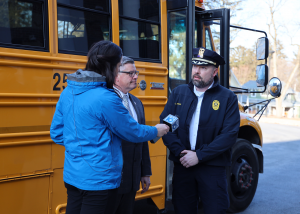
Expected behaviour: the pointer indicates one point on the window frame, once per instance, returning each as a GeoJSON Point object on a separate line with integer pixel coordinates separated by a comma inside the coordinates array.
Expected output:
{"type": "Point", "coordinates": [75, 7]}
{"type": "Point", "coordinates": [45, 32]}
{"type": "Point", "coordinates": [184, 81]}
{"type": "Point", "coordinates": [147, 22]}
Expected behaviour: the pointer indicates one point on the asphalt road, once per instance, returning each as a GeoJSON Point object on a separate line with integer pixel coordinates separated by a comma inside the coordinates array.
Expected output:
{"type": "Point", "coordinates": [278, 190]}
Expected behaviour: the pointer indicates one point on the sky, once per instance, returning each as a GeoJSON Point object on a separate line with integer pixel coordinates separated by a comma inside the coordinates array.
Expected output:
{"type": "Point", "coordinates": [255, 14]}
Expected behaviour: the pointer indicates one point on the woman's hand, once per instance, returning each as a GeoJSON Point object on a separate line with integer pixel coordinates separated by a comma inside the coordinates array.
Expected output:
{"type": "Point", "coordinates": [162, 129]}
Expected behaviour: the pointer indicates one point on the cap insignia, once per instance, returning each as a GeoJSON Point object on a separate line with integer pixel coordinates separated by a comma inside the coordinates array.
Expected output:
{"type": "Point", "coordinates": [201, 52]}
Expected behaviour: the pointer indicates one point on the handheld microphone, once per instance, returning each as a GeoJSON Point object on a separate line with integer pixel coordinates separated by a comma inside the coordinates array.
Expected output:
{"type": "Point", "coordinates": [171, 121]}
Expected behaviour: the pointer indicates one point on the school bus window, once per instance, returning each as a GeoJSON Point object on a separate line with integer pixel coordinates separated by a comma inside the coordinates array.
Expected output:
{"type": "Point", "coordinates": [177, 47]}
{"type": "Point", "coordinates": [21, 23]}
{"type": "Point", "coordinates": [139, 39]}
{"type": "Point", "coordinates": [79, 28]}
{"type": "Point", "coordinates": [216, 33]}
{"type": "Point", "coordinates": [140, 28]}
{"type": "Point", "coordinates": [141, 9]}
{"type": "Point", "coordinates": [101, 5]}
{"type": "Point", "coordinates": [208, 44]}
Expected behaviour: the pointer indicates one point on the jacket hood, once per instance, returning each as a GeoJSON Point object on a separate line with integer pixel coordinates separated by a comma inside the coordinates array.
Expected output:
{"type": "Point", "coordinates": [82, 81]}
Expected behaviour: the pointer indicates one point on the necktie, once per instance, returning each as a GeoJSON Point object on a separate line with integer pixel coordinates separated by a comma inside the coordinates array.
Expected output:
{"type": "Point", "coordinates": [126, 103]}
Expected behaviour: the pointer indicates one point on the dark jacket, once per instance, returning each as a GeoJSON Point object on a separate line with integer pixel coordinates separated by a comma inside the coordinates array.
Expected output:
{"type": "Point", "coordinates": [136, 160]}
{"type": "Point", "coordinates": [217, 131]}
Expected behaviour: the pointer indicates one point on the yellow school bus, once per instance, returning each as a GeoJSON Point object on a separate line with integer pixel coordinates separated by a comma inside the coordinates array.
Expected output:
{"type": "Point", "coordinates": [42, 41]}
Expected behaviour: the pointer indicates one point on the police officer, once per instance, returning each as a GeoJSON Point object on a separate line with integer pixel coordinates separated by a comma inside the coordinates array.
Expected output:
{"type": "Point", "coordinates": [201, 147]}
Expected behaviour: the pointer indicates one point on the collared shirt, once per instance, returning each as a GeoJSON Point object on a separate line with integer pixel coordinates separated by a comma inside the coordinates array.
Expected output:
{"type": "Point", "coordinates": [121, 94]}
{"type": "Point", "coordinates": [196, 118]}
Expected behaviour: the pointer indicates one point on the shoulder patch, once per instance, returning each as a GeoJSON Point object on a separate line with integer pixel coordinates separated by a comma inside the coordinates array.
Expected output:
{"type": "Point", "coordinates": [215, 104]}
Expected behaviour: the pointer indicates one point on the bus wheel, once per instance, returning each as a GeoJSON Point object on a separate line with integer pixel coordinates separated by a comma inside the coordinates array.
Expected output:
{"type": "Point", "coordinates": [242, 175]}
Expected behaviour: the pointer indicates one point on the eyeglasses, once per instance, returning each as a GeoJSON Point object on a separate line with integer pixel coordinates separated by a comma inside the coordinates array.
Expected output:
{"type": "Point", "coordinates": [130, 73]}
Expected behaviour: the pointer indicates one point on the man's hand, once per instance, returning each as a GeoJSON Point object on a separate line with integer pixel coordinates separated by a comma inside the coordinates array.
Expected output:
{"type": "Point", "coordinates": [189, 159]}
{"type": "Point", "coordinates": [162, 129]}
{"type": "Point", "coordinates": [145, 181]}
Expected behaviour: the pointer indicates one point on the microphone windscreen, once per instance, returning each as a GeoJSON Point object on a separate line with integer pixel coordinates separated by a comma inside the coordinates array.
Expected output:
{"type": "Point", "coordinates": [172, 121]}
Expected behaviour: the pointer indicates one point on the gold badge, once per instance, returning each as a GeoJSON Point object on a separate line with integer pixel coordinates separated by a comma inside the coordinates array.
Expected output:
{"type": "Point", "coordinates": [215, 104]}
{"type": "Point", "coordinates": [201, 52]}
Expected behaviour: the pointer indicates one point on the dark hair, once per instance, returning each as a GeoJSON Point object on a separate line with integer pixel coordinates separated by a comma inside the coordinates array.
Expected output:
{"type": "Point", "coordinates": [103, 58]}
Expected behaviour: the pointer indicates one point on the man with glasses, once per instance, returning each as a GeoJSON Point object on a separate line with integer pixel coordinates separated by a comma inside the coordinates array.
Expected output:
{"type": "Point", "coordinates": [136, 166]}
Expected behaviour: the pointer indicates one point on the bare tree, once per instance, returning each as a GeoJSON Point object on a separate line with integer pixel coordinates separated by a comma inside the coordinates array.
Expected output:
{"type": "Point", "coordinates": [292, 75]}
{"type": "Point", "coordinates": [243, 63]}
{"type": "Point", "coordinates": [273, 29]}
{"type": "Point", "coordinates": [233, 5]}
{"type": "Point", "coordinates": [274, 6]}
{"type": "Point", "coordinates": [288, 83]}
{"type": "Point", "coordinates": [296, 76]}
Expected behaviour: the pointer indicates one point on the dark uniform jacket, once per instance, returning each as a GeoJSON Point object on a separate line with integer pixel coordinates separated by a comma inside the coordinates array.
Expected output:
{"type": "Point", "coordinates": [218, 125]}
{"type": "Point", "coordinates": [136, 160]}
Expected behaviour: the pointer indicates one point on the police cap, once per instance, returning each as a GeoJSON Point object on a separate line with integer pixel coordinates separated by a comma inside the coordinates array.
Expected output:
{"type": "Point", "coordinates": [203, 56]}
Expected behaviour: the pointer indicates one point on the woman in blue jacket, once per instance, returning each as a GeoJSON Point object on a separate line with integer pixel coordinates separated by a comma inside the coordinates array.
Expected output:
{"type": "Point", "coordinates": [90, 121]}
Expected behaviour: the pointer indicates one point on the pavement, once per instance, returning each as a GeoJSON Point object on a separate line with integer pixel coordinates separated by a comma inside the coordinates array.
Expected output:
{"type": "Point", "coordinates": [279, 120]}
{"type": "Point", "coordinates": [278, 189]}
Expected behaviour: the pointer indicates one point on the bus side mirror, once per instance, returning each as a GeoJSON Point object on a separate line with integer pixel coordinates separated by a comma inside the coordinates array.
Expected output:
{"type": "Point", "coordinates": [261, 75]}
{"type": "Point", "coordinates": [262, 48]}
{"type": "Point", "coordinates": [275, 87]}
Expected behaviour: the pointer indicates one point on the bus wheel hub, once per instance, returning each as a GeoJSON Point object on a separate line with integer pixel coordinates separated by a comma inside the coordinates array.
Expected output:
{"type": "Point", "coordinates": [243, 175]}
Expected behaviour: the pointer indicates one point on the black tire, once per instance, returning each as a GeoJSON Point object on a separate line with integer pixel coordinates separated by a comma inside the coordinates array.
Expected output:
{"type": "Point", "coordinates": [242, 175]}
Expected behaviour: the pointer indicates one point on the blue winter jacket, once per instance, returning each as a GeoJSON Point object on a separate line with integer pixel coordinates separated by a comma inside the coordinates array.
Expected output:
{"type": "Point", "coordinates": [90, 121]}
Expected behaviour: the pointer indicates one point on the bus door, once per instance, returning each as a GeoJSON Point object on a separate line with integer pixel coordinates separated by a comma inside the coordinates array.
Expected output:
{"type": "Point", "coordinates": [209, 29]}
{"type": "Point", "coordinates": [177, 47]}
{"type": "Point", "coordinates": [212, 32]}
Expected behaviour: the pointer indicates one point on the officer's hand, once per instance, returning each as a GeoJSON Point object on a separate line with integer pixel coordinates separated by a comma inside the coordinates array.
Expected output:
{"type": "Point", "coordinates": [189, 159]}
{"type": "Point", "coordinates": [145, 181]}
{"type": "Point", "coordinates": [162, 129]}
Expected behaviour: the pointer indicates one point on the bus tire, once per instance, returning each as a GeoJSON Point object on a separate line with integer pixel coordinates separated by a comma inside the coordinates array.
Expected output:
{"type": "Point", "coordinates": [242, 175]}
